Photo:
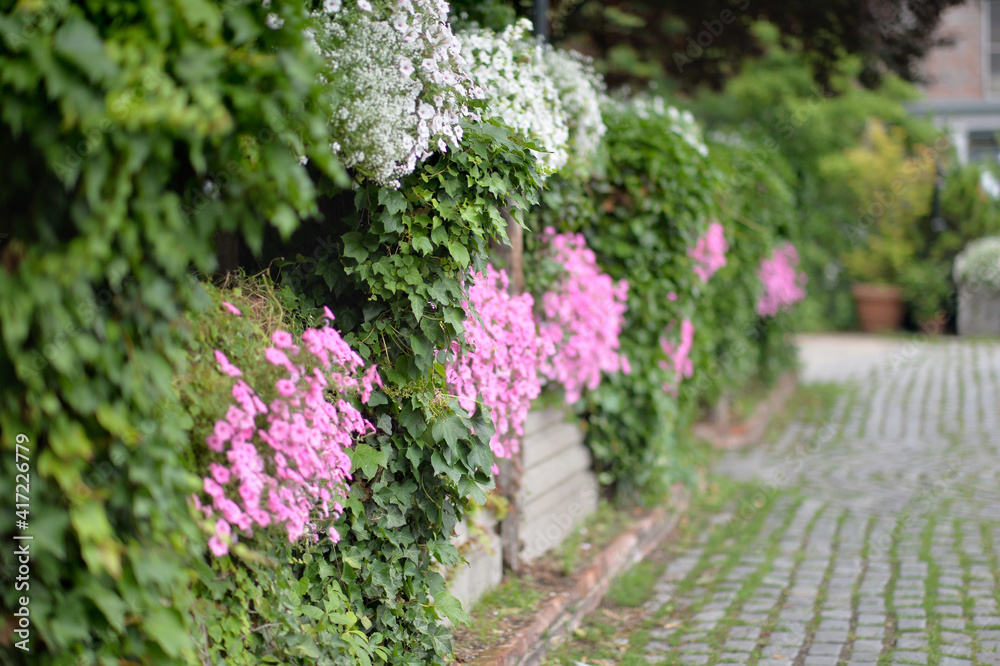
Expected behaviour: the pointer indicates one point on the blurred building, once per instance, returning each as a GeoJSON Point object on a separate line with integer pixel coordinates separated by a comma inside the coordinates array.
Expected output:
{"type": "Point", "coordinates": [963, 89]}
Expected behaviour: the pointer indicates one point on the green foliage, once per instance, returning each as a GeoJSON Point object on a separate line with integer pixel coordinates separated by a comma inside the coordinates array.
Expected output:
{"type": "Point", "coordinates": [393, 276]}
{"type": "Point", "coordinates": [734, 346]}
{"type": "Point", "coordinates": [894, 189]}
{"type": "Point", "coordinates": [140, 130]}
{"type": "Point", "coordinates": [656, 200]}
{"type": "Point", "coordinates": [968, 212]}
{"type": "Point", "coordinates": [775, 103]}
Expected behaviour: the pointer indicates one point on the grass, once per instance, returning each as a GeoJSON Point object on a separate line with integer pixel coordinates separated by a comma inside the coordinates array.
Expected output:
{"type": "Point", "coordinates": [516, 596]}
{"type": "Point", "coordinates": [637, 585]}
{"type": "Point", "coordinates": [597, 531]}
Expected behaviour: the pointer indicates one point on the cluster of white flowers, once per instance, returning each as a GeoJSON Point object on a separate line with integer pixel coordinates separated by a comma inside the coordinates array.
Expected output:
{"type": "Point", "coordinates": [403, 83]}
{"type": "Point", "coordinates": [681, 123]}
{"type": "Point", "coordinates": [978, 265]}
{"type": "Point", "coordinates": [510, 67]}
{"type": "Point", "coordinates": [581, 90]}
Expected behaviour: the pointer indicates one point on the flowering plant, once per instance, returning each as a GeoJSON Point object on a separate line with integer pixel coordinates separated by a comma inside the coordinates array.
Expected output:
{"type": "Point", "coordinates": [680, 123]}
{"type": "Point", "coordinates": [583, 313]}
{"type": "Point", "coordinates": [709, 253]}
{"type": "Point", "coordinates": [500, 360]}
{"type": "Point", "coordinates": [678, 357]}
{"type": "Point", "coordinates": [783, 286]}
{"type": "Point", "coordinates": [403, 82]}
{"type": "Point", "coordinates": [581, 91]}
{"type": "Point", "coordinates": [282, 462]}
{"type": "Point", "coordinates": [978, 265]}
{"type": "Point", "coordinates": [509, 66]}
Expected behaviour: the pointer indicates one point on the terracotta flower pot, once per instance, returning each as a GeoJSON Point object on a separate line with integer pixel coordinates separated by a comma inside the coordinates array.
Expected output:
{"type": "Point", "coordinates": [880, 307]}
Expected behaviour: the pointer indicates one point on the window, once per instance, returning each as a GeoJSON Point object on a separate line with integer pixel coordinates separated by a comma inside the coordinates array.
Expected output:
{"type": "Point", "coordinates": [983, 146]}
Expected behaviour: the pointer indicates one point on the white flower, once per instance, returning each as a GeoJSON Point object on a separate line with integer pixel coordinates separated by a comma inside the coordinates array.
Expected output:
{"type": "Point", "coordinates": [303, 160]}
{"type": "Point", "coordinates": [581, 91]}
{"type": "Point", "coordinates": [265, 3]}
{"type": "Point", "coordinates": [273, 21]}
{"type": "Point", "coordinates": [509, 73]}
{"type": "Point", "coordinates": [398, 82]}
{"type": "Point", "coordinates": [331, 6]}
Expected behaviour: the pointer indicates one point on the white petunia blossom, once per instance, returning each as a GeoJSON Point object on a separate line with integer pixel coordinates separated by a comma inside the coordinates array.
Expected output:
{"type": "Point", "coordinates": [331, 6]}
{"type": "Point", "coordinates": [403, 90]}
{"type": "Point", "coordinates": [509, 67]}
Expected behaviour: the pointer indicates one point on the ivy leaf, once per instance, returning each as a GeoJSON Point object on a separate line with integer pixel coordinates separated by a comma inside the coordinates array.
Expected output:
{"type": "Point", "coordinates": [79, 43]}
{"type": "Point", "coordinates": [354, 248]}
{"type": "Point", "coordinates": [459, 253]}
{"type": "Point", "coordinates": [423, 244]}
{"type": "Point", "coordinates": [450, 429]}
{"type": "Point", "coordinates": [451, 608]}
{"type": "Point", "coordinates": [165, 627]}
{"type": "Point", "coordinates": [368, 459]}
{"type": "Point", "coordinates": [481, 456]}
{"type": "Point", "coordinates": [385, 424]}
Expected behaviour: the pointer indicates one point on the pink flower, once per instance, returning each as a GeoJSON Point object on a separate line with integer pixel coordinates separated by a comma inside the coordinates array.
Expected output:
{"type": "Point", "coordinates": [678, 358]}
{"type": "Point", "coordinates": [217, 546]}
{"type": "Point", "coordinates": [286, 472]}
{"type": "Point", "coordinates": [582, 317]}
{"type": "Point", "coordinates": [232, 308]}
{"type": "Point", "coordinates": [219, 473]}
{"type": "Point", "coordinates": [672, 296]}
{"type": "Point", "coordinates": [782, 286]}
{"type": "Point", "coordinates": [709, 253]}
{"type": "Point", "coordinates": [223, 430]}
{"type": "Point", "coordinates": [499, 362]}
{"type": "Point", "coordinates": [282, 339]}
{"type": "Point", "coordinates": [227, 367]}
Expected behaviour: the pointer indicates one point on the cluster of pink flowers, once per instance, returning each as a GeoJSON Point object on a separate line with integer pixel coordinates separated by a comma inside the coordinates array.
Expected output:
{"type": "Point", "coordinates": [501, 361]}
{"type": "Point", "coordinates": [782, 284]}
{"type": "Point", "coordinates": [584, 313]}
{"type": "Point", "coordinates": [709, 253]}
{"type": "Point", "coordinates": [678, 357]}
{"type": "Point", "coordinates": [282, 462]}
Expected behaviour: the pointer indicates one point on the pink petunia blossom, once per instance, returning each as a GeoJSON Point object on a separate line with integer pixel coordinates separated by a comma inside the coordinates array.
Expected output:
{"type": "Point", "coordinates": [282, 339]}
{"type": "Point", "coordinates": [285, 455]}
{"type": "Point", "coordinates": [782, 286]}
{"type": "Point", "coordinates": [583, 315]}
{"type": "Point", "coordinates": [227, 367]}
{"type": "Point", "coordinates": [232, 308]}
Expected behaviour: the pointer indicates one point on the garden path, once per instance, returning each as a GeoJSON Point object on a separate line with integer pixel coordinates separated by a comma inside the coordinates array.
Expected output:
{"type": "Point", "coordinates": [873, 536]}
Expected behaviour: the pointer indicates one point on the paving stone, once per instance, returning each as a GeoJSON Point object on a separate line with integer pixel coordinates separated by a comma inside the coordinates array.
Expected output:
{"type": "Point", "coordinates": [914, 446]}
{"type": "Point", "coordinates": [824, 649]}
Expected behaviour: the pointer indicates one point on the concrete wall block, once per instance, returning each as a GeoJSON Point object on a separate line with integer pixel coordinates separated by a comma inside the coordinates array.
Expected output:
{"type": "Point", "coordinates": [978, 312]}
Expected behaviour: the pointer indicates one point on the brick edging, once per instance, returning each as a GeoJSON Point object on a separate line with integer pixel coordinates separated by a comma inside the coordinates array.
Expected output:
{"type": "Point", "coordinates": [562, 613]}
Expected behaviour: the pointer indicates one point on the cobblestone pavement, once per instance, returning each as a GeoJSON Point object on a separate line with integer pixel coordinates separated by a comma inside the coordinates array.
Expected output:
{"type": "Point", "coordinates": [873, 535]}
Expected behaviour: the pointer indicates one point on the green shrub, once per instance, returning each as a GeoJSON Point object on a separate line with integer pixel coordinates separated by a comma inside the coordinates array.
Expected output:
{"type": "Point", "coordinates": [391, 265]}
{"type": "Point", "coordinates": [140, 131]}
{"type": "Point", "coordinates": [641, 220]}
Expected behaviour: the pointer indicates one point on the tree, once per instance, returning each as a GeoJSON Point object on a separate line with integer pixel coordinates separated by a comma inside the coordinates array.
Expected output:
{"type": "Point", "coordinates": [707, 42]}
